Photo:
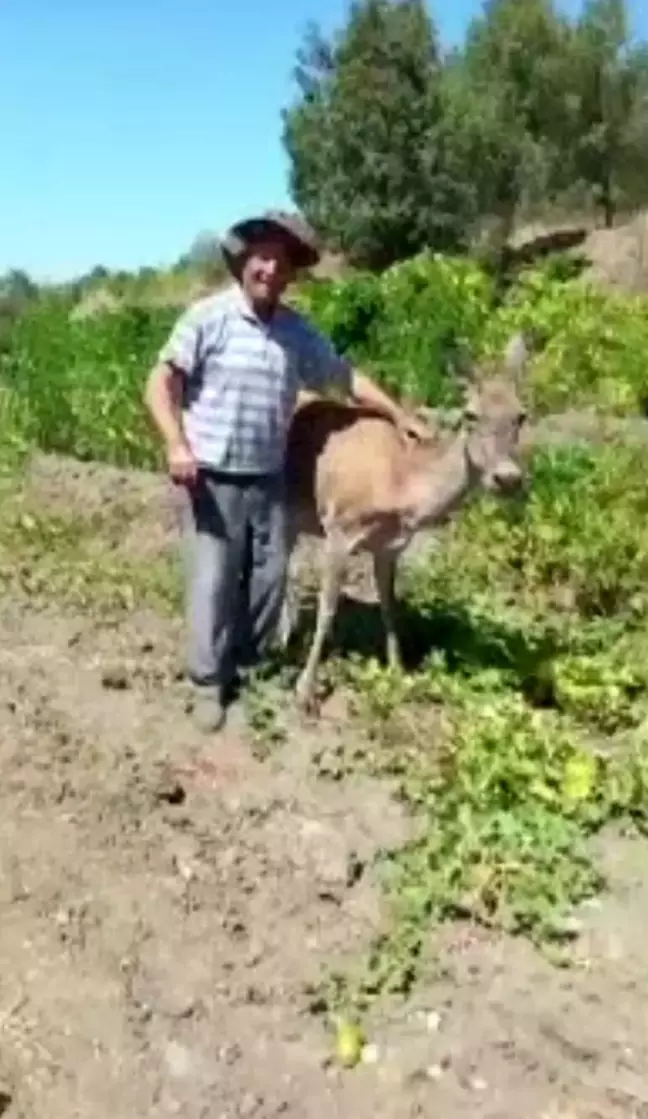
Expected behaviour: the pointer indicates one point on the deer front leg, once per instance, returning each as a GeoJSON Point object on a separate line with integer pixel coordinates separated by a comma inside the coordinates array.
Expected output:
{"type": "Point", "coordinates": [384, 564]}
{"type": "Point", "coordinates": [333, 568]}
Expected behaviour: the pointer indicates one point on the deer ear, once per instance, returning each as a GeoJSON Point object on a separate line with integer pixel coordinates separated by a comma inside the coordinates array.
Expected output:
{"type": "Point", "coordinates": [516, 356]}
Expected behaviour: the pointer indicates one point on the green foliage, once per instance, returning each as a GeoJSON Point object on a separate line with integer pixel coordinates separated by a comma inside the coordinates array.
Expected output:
{"type": "Point", "coordinates": [593, 342]}
{"type": "Point", "coordinates": [371, 152]}
{"type": "Point", "coordinates": [395, 148]}
{"type": "Point", "coordinates": [346, 310]}
{"type": "Point", "coordinates": [77, 383]}
{"type": "Point", "coordinates": [74, 385]}
{"type": "Point", "coordinates": [608, 83]}
{"type": "Point", "coordinates": [406, 325]}
{"type": "Point", "coordinates": [17, 292]}
{"type": "Point", "coordinates": [601, 688]}
{"type": "Point", "coordinates": [580, 538]}
{"type": "Point", "coordinates": [17, 285]}
{"type": "Point", "coordinates": [433, 306]}
{"type": "Point", "coordinates": [514, 68]}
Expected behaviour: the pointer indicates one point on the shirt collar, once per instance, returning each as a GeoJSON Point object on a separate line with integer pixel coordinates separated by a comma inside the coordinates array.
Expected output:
{"type": "Point", "coordinates": [245, 309]}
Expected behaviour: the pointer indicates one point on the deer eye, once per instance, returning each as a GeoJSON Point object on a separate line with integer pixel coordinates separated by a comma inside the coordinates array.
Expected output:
{"type": "Point", "coordinates": [470, 416]}
{"type": "Point", "coordinates": [522, 418]}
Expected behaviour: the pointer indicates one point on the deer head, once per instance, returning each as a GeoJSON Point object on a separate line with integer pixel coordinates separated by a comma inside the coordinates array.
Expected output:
{"type": "Point", "coordinates": [493, 419]}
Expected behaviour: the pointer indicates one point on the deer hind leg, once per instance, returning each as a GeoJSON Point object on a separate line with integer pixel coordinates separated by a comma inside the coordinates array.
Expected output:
{"type": "Point", "coordinates": [384, 565]}
{"type": "Point", "coordinates": [334, 559]}
{"type": "Point", "coordinates": [290, 605]}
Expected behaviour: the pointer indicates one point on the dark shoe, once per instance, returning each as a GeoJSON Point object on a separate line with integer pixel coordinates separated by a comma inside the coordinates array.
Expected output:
{"type": "Point", "coordinates": [232, 689]}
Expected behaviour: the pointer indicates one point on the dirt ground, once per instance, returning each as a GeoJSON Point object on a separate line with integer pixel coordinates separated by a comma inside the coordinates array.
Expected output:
{"type": "Point", "coordinates": [165, 900]}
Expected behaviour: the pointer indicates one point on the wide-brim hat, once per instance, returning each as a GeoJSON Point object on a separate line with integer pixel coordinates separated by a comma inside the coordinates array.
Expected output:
{"type": "Point", "coordinates": [299, 237]}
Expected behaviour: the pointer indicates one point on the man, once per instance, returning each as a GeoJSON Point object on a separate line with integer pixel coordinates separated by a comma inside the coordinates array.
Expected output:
{"type": "Point", "coordinates": [222, 395]}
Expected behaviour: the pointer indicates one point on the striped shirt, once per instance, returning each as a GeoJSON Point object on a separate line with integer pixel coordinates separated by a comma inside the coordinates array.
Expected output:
{"type": "Point", "coordinates": [242, 376]}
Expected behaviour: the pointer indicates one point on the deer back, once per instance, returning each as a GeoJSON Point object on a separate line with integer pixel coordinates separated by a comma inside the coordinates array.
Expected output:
{"type": "Point", "coordinates": [342, 461]}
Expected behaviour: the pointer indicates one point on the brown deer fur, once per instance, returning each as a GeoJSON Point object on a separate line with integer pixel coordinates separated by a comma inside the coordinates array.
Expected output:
{"type": "Point", "coordinates": [357, 482]}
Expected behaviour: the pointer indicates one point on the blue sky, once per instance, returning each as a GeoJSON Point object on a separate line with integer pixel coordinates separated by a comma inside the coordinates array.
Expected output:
{"type": "Point", "coordinates": [128, 126]}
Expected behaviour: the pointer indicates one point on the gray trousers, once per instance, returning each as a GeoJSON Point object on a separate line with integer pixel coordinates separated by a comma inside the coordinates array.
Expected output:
{"type": "Point", "coordinates": [234, 535]}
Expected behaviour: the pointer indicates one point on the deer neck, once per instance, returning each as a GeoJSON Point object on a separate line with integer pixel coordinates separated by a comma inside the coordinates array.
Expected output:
{"type": "Point", "coordinates": [439, 482]}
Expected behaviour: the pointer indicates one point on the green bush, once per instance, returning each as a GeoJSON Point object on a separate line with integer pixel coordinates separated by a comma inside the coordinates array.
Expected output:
{"type": "Point", "coordinates": [593, 342]}
{"type": "Point", "coordinates": [78, 383]}
{"type": "Point", "coordinates": [579, 539]}
{"type": "Point", "coordinates": [74, 386]}
{"type": "Point", "coordinates": [590, 344]}
{"type": "Point", "coordinates": [433, 306]}
{"type": "Point", "coordinates": [406, 324]}
{"type": "Point", "coordinates": [345, 310]}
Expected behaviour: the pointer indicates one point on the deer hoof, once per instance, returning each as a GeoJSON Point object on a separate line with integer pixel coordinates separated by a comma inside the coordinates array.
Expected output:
{"type": "Point", "coordinates": [284, 634]}
{"type": "Point", "coordinates": [307, 702]}
{"type": "Point", "coordinates": [287, 622]}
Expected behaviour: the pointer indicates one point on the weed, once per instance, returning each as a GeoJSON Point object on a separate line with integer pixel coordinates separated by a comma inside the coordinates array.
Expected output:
{"type": "Point", "coordinates": [68, 558]}
{"type": "Point", "coordinates": [266, 726]}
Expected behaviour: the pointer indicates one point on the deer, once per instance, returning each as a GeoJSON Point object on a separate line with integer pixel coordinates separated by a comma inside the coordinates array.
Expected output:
{"type": "Point", "coordinates": [359, 484]}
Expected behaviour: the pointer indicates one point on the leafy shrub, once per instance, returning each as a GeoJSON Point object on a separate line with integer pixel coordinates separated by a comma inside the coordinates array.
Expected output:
{"type": "Point", "coordinates": [407, 323]}
{"type": "Point", "coordinates": [345, 310]}
{"type": "Point", "coordinates": [601, 688]}
{"type": "Point", "coordinates": [79, 382]}
{"type": "Point", "coordinates": [433, 306]}
{"type": "Point", "coordinates": [76, 385]}
{"type": "Point", "coordinates": [593, 342]}
{"type": "Point", "coordinates": [578, 540]}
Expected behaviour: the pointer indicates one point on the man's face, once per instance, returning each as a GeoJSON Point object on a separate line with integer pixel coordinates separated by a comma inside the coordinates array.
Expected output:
{"type": "Point", "coordinates": [267, 272]}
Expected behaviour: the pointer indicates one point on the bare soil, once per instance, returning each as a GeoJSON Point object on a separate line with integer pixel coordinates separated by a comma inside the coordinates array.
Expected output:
{"type": "Point", "coordinates": [166, 899]}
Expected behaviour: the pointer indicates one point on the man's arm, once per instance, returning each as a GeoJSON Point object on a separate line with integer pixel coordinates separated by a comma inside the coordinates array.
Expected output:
{"type": "Point", "coordinates": [177, 361]}
{"type": "Point", "coordinates": [163, 398]}
{"type": "Point", "coordinates": [367, 392]}
{"type": "Point", "coordinates": [324, 371]}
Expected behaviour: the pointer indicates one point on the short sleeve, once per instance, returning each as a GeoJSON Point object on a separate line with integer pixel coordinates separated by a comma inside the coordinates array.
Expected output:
{"type": "Point", "coordinates": [321, 367]}
{"type": "Point", "coordinates": [183, 346]}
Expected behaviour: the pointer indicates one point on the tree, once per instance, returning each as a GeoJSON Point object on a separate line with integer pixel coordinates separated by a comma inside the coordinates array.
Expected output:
{"type": "Point", "coordinates": [17, 285]}
{"type": "Point", "coordinates": [17, 290]}
{"type": "Point", "coordinates": [204, 255]}
{"type": "Point", "coordinates": [515, 104]}
{"type": "Point", "coordinates": [610, 119]}
{"type": "Point", "coordinates": [370, 151]}
{"type": "Point", "coordinates": [97, 275]}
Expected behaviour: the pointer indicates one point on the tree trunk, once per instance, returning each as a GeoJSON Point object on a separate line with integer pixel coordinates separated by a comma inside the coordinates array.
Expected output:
{"type": "Point", "coordinates": [607, 200]}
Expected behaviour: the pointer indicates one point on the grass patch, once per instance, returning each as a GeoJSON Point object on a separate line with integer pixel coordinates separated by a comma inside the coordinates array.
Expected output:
{"type": "Point", "coordinates": [78, 561]}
